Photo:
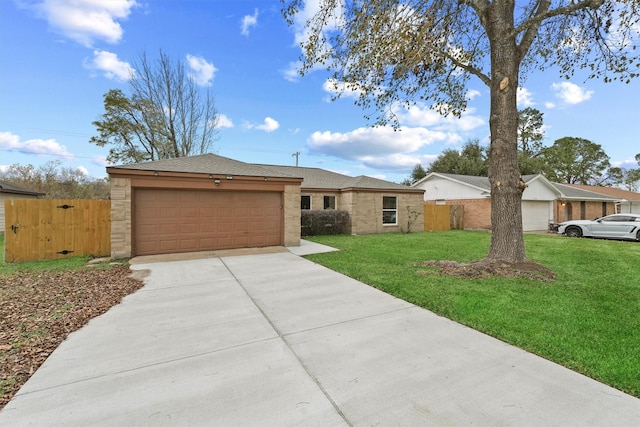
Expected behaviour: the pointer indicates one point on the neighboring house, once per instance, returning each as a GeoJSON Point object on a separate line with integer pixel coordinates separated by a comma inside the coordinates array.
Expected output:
{"type": "Point", "coordinates": [627, 201]}
{"type": "Point", "coordinates": [209, 202]}
{"type": "Point", "coordinates": [543, 202]}
{"type": "Point", "coordinates": [9, 190]}
{"type": "Point", "coordinates": [574, 202]}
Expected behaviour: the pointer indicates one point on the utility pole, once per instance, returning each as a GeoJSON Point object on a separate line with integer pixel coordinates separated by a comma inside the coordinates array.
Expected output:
{"type": "Point", "coordinates": [296, 155]}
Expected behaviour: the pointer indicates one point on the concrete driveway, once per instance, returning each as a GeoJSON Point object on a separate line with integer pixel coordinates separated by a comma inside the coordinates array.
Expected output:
{"type": "Point", "coordinates": [272, 339]}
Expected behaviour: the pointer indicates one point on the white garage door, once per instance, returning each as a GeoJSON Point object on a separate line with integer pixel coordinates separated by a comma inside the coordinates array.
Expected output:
{"type": "Point", "coordinates": [536, 215]}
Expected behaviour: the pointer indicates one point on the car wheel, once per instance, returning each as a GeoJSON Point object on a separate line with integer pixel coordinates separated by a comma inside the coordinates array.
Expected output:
{"type": "Point", "coordinates": [638, 236]}
{"type": "Point", "coordinates": [573, 232]}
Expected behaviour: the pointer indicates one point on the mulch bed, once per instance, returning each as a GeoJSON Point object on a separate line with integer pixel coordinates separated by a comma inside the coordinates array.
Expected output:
{"type": "Point", "coordinates": [488, 268]}
{"type": "Point", "coordinates": [38, 310]}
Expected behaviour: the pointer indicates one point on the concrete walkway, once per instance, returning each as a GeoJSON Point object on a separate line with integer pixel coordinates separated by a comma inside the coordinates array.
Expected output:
{"type": "Point", "coordinates": [272, 339]}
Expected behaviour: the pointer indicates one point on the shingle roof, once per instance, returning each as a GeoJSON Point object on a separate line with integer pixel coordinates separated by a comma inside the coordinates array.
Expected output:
{"type": "Point", "coordinates": [9, 187]}
{"type": "Point", "coordinates": [618, 193]}
{"type": "Point", "coordinates": [481, 182]}
{"type": "Point", "coordinates": [312, 177]}
{"type": "Point", "coordinates": [566, 191]}
{"type": "Point", "coordinates": [321, 178]}
{"type": "Point", "coordinates": [571, 192]}
{"type": "Point", "coordinates": [205, 163]}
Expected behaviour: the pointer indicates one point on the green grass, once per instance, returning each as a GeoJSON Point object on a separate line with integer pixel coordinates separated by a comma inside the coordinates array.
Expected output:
{"type": "Point", "coordinates": [588, 319]}
{"type": "Point", "coordinates": [72, 263]}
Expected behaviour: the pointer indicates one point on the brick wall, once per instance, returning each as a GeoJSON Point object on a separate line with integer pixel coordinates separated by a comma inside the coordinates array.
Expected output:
{"type": "Point", "coordinates": [477, 212]}
{"type": "Point", "coordinates": [566, 211]}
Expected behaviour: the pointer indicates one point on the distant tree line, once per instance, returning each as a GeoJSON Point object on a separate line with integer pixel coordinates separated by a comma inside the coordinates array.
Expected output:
{"type": "Point", "coordinates": [569, 160]}
{"type": "Point", "coordinates": [57, 182]}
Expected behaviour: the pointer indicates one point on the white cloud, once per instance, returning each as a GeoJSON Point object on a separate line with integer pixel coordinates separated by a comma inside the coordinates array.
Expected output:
{"type": "Point", "coordinates": [348, 90]}
{"type": "Point", "coordinates": [400, 163]}
{"type": "Point", "coordinates": [84, 171]}
{"type": "Point", "coordinates": [291, 73]}
{"type": "Point", "coordinates": [472, 94]}
{"type": "Point", "coordinates": [202, 72]}
{"type": "Point", "coordinates": [224, 122]}
{"type": "Point", "coordinates": [525, 97]}
{"type": "Point", "coordinates": [373, 142]}
{"type": "Point", "coordinates": [269, 125]}
{"type": "Point", "coordinates": [11, 142]}
{"type": "Point", "coordinates": [249, 21]}
{"type": "Point", "coordinates": [422, 115]}
{"type": "Point", "coordinates": [85, 21]}
{"type": "Point", "coordinates": [571, 93]}
{"type": "Point", "coordinates": [110, 66]}
{"type": "Point", "coordinates": [550, 105]}
{"type": "Point", "coordinates": [101, 161]}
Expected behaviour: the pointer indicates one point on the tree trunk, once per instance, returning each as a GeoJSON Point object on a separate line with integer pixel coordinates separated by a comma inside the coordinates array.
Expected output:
{"type": "Point", "coordinates": [507, 240]}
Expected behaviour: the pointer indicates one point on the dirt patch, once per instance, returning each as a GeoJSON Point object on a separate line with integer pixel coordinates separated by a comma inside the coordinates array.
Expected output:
{"type": "Point", "coordinates": [39, 309]}
{"type": "Point", "coordinates": [486, 268]}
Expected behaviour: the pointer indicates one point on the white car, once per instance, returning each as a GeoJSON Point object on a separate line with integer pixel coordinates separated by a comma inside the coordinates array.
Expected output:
{"type": "Point", "coordinates": [617, 226]}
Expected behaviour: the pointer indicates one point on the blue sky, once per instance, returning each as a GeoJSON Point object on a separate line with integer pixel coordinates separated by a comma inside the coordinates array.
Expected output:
{"type": "Point", "coordinates": [59, 57]}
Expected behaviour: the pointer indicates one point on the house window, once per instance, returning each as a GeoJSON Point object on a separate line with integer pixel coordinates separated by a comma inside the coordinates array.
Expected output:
{"type": "Point", "coordinates": [389, 210]}
{"type": "Point", "coordinates": [330, 202]}
{"type": "Point", "coordinates": [305, 202]}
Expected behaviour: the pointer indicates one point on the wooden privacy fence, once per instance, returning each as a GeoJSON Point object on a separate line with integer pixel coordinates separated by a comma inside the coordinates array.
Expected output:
{"type": "Point", "coordinates": [443, 217]}
{"type": "Point", "coordinates": [51, 229]}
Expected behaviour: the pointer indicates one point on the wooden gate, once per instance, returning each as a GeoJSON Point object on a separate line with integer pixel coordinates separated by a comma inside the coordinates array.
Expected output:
{"type": "Point", "coordinates": [51, 229]}
{"type": "Point", "coordinates": [443, 217]}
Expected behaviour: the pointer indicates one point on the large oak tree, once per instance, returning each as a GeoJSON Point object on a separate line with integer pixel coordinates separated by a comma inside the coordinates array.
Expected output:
{"type": "Point", "coordinates": [398, 52]}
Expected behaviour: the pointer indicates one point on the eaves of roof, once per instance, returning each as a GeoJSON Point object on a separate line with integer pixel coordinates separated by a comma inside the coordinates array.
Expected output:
{"type": "Point", "coordinates": [569, 192]}
{"type": "Point", "coordinates": [9, 187]}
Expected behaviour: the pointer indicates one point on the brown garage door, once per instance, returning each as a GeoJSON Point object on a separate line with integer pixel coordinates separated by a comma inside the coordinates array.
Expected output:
{"type": "Point", "coordinates": [171, 221]}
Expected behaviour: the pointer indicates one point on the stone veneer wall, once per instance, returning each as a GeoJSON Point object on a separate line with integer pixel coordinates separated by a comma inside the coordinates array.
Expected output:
{"type": "Point", "coordinates": [120, 217]}
{"type": "Point", "coordinates": [292, 215]}
{"type": "Point", "coordinates": [366, 217]}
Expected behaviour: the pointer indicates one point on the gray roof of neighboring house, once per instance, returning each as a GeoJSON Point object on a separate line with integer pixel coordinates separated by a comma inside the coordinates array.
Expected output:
{"type": "Point", "coordinates": [9, 187]}
{"type": "Point", "coordinates": [566, 191]}
{"type": "Point", "coordinates": [315, 178]}
{"type": "Point", "coordinates": [312, 177]}
{"type": "Point", "coordinates": [478, 181]}
{"type": "Point", "coordinates": [618, 193]}
{"type": "Point", "coordinates": [571, 192]}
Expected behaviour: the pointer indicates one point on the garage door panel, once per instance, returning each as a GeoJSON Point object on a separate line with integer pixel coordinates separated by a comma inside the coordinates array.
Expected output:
{"type": "Point", "coordinates": [168, 212]}
{"type": "Point", "coordinates": [169, 221]}
{"type": "Point", "coordinates": [536, 215]}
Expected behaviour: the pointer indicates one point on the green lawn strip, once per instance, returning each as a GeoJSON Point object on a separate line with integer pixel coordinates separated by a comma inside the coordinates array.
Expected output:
{"type": "Point", "coordinates": [587, 319]}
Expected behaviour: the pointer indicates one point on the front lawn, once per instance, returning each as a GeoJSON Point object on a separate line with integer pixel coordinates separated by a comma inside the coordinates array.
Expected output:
{"type": "Point", "coordinates": [588, 319]}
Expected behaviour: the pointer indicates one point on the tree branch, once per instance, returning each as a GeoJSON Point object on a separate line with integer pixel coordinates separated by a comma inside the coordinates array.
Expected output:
{"type": "Point", "coordinates": [542, 14]}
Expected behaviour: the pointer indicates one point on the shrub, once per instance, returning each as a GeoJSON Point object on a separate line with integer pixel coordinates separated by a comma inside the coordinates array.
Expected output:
{"type": "Point", "coordinates": [319, 223]}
